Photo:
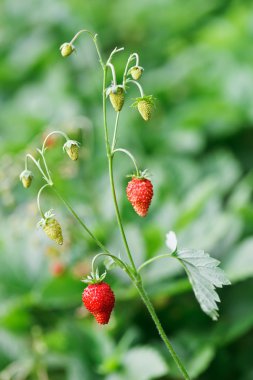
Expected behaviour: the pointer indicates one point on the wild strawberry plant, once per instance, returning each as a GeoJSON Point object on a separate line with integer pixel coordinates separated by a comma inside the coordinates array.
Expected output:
{"type": "Point", "coordinates": [202, 270]}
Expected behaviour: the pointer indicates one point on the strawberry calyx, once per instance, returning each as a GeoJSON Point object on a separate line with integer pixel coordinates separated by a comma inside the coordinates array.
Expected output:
{"type": "Point", "coordinates": [69, 143]}
{"type": "Point", "coordinates": [94, 277]}
{"type": "Point", "coordinates": [47, 216]}
{"type": "Point", "coordinates": [26, 174]}
{"type": "Point", "coordinates": [113, 89]}
{"type": "Point", "coordinates": [140, 175]}
{"type": "Point", "coordinates": [149, 99]}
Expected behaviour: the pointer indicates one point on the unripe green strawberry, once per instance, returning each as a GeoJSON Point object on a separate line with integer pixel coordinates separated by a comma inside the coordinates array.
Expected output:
{"type": "Point", "coordinates": [145, 109]}
{"type": "Point", "coordinates": [53, 230]}
{"type": "Point", "coordinates": [116, 95]}
{"type": "Point", "coordinates": [51, 227]}
{"type": "Point", "coordinates": [66, 49]}
{"type": "Point", "coordinates": [136, 72]}
{"type": "Point", "coordinates": [145, 106]}
{"type": "Point", "coordinates": [139, 193]}
{"type": "Point", "coordinates": [72, 149]}
{"type": "Point", "coordinates": [26, 177]}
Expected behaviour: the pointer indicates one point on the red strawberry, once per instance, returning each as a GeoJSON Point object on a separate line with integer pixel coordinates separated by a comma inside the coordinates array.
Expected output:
{"type": "Point", "coordinates": [57, 269]}
{"type": "Point", "coordinates": [139, 193]}
{"type": "Point", "coordinates": [99, 300]}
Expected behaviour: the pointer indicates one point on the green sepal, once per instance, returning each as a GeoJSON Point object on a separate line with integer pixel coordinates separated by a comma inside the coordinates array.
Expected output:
{"type": "Point", "coordinates": [113, 89]}
{"type": "Point", "coordinates": [94, 277]}
{"type": "Point", "coordinates": [135, 67]}
{"type": "Point", "coordinates": [48, 215]}
{"type": "Point", "coordinates": [141, 175]}
{"type": "Point", "coordinates": [148, 98]}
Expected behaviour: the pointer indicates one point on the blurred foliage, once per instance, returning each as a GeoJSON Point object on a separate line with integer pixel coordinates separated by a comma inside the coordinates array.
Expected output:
{"type": "Point", "coordinates": [198, 60]}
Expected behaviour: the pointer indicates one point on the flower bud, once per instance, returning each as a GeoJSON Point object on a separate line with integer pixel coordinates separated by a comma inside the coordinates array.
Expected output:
{"type": "Point", "coordinates": [66, 49]}
{"type": "Point", "coordinates": [26, 177]}
{"type": "Point", "coordinates": [72, 149]}
{"type": "Point", "coordinates": [136, 72]}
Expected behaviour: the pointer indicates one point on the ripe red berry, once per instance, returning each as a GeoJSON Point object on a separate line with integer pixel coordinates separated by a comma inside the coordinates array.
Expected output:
{"type": "Point", "coordinates": [57, 269]}
{"type": "Point", "coordinates": [139, 193]}
{"type": "Point", "coordinates": [99, 300]}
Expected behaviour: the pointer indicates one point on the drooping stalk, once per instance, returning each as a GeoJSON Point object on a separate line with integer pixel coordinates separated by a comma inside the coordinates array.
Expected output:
{"type": "Point", "coordinates": [69, 207]}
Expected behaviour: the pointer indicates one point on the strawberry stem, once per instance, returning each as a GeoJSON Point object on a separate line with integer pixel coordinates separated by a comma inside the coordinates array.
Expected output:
{"type": "Point", "coordinates": [38, 199]}
{"type": "Point", "coordinates": [98, 242]}
{"type": "Point", "coordinates": [50, 134]}
{"type": "Point", "coordinates": [131, 57]}
{"type": "Point", "coordinates": [138, 85]}
{"type": "Point", "coordinates": [114, 80]}
{"type": "Point", "coordinates": [131, 157]}
{"type": "Point", "coordinates": [160, 329]}
{"type": "Point", "coordinates": [114, 140]}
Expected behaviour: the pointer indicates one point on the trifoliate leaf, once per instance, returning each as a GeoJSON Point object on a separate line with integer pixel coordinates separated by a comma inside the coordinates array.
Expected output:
{"type": "Point", "coordinates": [204, 275]}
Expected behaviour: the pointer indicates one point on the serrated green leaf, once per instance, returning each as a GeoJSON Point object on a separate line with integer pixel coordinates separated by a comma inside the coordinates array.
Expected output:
{"type": "Point", "coordinates": [204, 275]}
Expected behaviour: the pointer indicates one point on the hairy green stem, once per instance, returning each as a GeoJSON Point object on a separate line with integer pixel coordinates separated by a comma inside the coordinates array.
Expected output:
{"type": "Point", "coordinates": [50, 134]}
{"type": "Point", "coordinates": [118, 214]}
{"type": "Point", "coordinates": [160, 329]}
{"type": "Point", "coordinates": [114, 140]}
{"type": "Point", "coordinates": [154, 259]}
{"type": "Point", "coordinates": [116, 259]}
{"type": "Point", "coordinates": [110, 164]}
{"type": "Point", "coordinates": [129, 155]}
{"type": "Point", "coordinates": [104, 249]}
{"type": "Point", "coordinates": [138, 85]}
{"type": "Point", "coordinates": [131, 57]}
{"type": "Point", "coordinates": [37, 164]}
{"type": "Point", "coordinates": [114, 80]}
{"type": "Point", "coordinates": [38, 199]}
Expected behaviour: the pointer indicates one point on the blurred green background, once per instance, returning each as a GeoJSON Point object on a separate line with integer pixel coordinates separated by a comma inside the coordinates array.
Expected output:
{"type": "Point", "coordinates": [198, 60]}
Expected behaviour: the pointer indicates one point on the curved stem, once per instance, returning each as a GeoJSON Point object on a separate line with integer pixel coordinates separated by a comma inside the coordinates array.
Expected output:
{"type": "Point", "coordinates": [131, 57]}
{"type": "Point", "coordinates": [94, 38]}
{"type": "Point", "coordinates": [129, 155]}
{"type": "Point", "coordinates": [80, 32]}
{"type": "Point", "coordinates": [114, 140]}
{"type": "Point", "coordinates": [138, 85]}
{"type": "Point", "coordinates": [116, 50]}
{"type": "Point", "coordinates": [38, 199]}
{"type": "Point", "coordinates": [50, 134]}
{"type": "Point", "coordinates": [160, 329]}
{"type": "Point", "coordinates": [116, 259]}
{"type": "Point", "coordinates": [153, 259]}
{"type": "Point", "coordinates": [38, 167]}
{"type": "Point", "coordinates": [104, 249]}
{"type": "Point", "coordinates": [118, 214]}
{"type": "Point", "coordinates": [114, 80]}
